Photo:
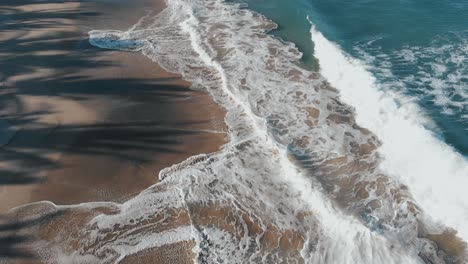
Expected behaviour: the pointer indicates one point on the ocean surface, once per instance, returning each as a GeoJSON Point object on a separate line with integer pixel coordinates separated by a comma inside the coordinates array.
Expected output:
{"type": "Point", "coordinates": [347, 122]}
{"type": "Point", "coordinates": [417, 48]}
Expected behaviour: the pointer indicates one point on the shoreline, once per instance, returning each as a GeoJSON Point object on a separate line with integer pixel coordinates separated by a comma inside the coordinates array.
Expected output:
{"type": "Point", "coordinates": [94, 125]}
{"type": "Point", "coordinates": [112, 131]}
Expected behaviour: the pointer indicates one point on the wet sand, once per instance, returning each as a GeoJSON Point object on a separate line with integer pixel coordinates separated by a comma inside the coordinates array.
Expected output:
{"type": "Point", "coordinates": [80, 124]}
{"type": "Point", "coordinates": [83, 124]}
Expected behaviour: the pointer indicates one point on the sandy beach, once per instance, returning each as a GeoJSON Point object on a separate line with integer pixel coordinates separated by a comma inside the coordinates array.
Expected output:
{"type": "Point", "coordinates": [91, 124]}
{"type": "Point", "coordinates": [82, 124]}
{"type": "Point", "coordinates": [253, 154]}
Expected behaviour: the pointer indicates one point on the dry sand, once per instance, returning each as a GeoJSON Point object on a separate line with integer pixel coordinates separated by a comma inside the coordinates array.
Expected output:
{"type": "Point", "coordinates": [84, 124]}
{"type": "Point", "coordinates": [98, 125]}
{"type": "Point", "coordinates": [81, 124]}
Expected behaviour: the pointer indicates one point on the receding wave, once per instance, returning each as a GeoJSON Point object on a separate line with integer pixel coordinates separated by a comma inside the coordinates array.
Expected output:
{"type": "Point", "coordinates": [299, 182]}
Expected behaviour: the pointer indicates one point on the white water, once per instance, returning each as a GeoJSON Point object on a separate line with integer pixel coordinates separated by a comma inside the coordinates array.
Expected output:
{"type": "Point", "coordinates": [224, 49]}
{"type": "Point", "coordinates": [439, 72]}
{"type": "Point", "coordinates": [436, 174]}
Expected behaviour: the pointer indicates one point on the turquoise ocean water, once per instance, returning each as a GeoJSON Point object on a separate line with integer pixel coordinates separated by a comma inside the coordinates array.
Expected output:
{"type": "Point", "coordinates": [417, 48]}
{"type": "Point", "coordinates": [296, 144]}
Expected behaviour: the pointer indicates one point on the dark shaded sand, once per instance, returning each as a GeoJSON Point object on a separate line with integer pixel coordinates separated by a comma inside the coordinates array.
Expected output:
{"type": "Point", "coordinates": [81, 124]}
{"type": "Point", "coordinates": [84, 124]}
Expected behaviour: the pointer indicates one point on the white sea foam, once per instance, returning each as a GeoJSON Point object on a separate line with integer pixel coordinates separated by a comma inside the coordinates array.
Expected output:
{"type": "Point", "coordinates": [294, 148]}
{"type": "Point", "coordinates": [435, 173]}
{"type": "Point", "coordinates": [439, 71]}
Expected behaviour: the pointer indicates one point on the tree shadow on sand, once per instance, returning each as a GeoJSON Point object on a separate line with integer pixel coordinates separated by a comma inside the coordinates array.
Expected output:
{"type": "Point", "coordinates": [15, 235]}
{"type": "Point", "coordinates": [66, 53]}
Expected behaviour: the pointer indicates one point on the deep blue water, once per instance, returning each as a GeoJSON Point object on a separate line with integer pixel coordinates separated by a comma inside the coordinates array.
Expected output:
{"type": "Point", "coordinates": [416, 47]}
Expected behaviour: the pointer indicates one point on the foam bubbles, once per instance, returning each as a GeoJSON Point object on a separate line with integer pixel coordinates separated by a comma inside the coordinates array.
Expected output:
{"type": "Point", "coordinates": [435, 173]}
{"type": "Point", "coordinates": [299, 181]}
{"type": "Point", "coordinates": [439, 71]}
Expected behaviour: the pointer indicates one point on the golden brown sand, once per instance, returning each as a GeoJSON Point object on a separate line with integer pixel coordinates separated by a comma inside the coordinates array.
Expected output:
{"type": "Point", "coordinates": [90, 124]}
{"type": "Point", "coordinates": [83, 124]}
{"type": "Point", "coordinates": [68, 230]}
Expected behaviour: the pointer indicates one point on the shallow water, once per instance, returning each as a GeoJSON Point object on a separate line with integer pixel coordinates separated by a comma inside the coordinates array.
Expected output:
{"type": "Point", "coordinates": [325, 157]}
{"type": "Point", "coordinates": [414, 47]}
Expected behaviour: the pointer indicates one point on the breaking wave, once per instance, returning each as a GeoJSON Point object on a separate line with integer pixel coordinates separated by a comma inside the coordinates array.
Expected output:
{"type": "Point", "coordinates": [299, 181]}
{"type": "Point", "coordinates": [435, 173]}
